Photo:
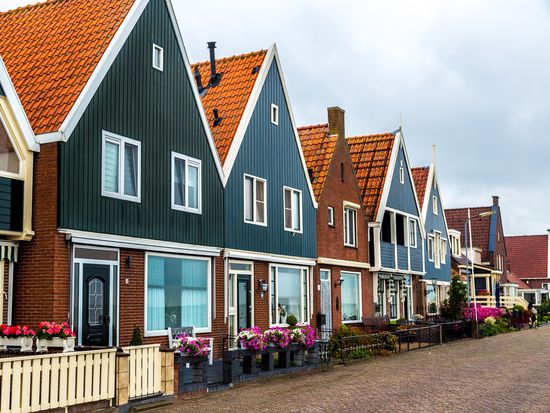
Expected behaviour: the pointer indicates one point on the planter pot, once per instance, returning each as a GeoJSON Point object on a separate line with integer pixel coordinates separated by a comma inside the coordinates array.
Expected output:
{"type": "Point", "coordinates": [272, 345]}
{"type": "Point", "coordinates": [25, 343]}
{"type": "Point", "coordinates": [67, 344]}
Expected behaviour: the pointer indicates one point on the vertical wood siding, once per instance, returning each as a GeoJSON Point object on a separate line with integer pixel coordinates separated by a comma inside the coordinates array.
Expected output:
{"type": "Point", "coordinates": [11, 204]}
{"type": "Point", "coordinates": [401, 196]}
{"type": "Point", "coordinates": [270, 152]}
{"type": "Point", "coordinates": [157, 109]}
{"type": "Point", "coordinates": [437, 223]}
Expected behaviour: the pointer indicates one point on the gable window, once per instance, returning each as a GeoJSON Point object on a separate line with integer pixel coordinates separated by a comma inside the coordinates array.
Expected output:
{"type": "Point", "coordinates": [274, 114]}
{"type": "Point", "coordinates": [443, 251]}
{"type": "Point", "coordinates": [350, 227]}
{"type": "Point", "coordinates": [401, 173]}
{"type": "Point", "coordinates": [158, 57]}
{"type": "Point", "coordinates": [293, 209]}
{"type": "Point", "coordinates": [121, 167]}
{"type": "Point", "coordinates": [351, 296]}
{"type": "Point", "coordinates": [331, 216]}
{"type": "Point", "coordinates": [435, 206]}
{"type": "Point", "coordinates": [386, 227]}
{"type": "Point", "coordinates": [9, 160]}
{"type": "Point", "coordinates": [186, 183]}
{"type": "Point", "coordinates": [400, 229]}
{"type": "Point", "coordinates": [255, 200]}
{"type": "Point", "coordinates": [437, 249]}
{"type": "Point", "coordinates": [412, 233]}
{"type": "Point", "coordinates": [289, 294]}
{"type": "Point", "coordinates": [430, 248]}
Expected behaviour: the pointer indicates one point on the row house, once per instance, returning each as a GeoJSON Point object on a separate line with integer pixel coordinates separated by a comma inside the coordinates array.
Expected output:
{"type": "Point", "coordinates": [269, 206]}
{"type": "Point", "coordinates": [396, 230]}
{"type": "Point", "coordinates": [128, 186]}
{"type": "Point", "coordinates": [344, 285]}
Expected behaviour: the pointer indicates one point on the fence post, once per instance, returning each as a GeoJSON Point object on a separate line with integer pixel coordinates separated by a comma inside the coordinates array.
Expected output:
{"type": "Point", "coordinates": [122, 379]}
{"type": "Point", "coordinates": [167, 371]}
{"type": "Point", "coordinates": [440, 334]}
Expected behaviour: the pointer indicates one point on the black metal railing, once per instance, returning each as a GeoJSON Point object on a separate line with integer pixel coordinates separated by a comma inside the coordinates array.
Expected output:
{"type": "Point", "coordinates": [418, 337]}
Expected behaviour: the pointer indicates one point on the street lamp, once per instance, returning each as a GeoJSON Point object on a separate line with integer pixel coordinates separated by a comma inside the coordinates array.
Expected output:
{"type": "Point", "coordinates": [467, 235]}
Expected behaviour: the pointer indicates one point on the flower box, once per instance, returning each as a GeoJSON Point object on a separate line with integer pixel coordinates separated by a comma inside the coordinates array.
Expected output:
{"type": "Point", "coordinates": [24, 343]}
{"type": "Point", "coordinates": [67, 344]}
{"type": "Point", "coordinates": [53, 335]}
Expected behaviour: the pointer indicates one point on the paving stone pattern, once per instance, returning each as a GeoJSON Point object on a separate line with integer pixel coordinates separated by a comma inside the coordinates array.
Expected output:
{"type": "Point", "coordinates": [506, 373]}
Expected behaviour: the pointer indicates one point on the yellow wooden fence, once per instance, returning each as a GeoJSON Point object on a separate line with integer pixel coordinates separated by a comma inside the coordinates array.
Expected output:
{"type": "Point", "coordinates": [144, 367]}
{"type": "Point", "coordinates": [50, 381]}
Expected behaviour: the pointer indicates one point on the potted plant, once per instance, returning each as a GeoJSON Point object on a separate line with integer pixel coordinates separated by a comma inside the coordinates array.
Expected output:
{"type": "Point", "coordinates": [251, 339]}
{"type": "Point", "coordinates": [16, 336]}
{"type": "Point", "coordinates": [304, 335]}
{"type": "Point", "coordinates": [55, 335]}
{"type": "Point", "coordinates": [196, 347]}
{"type": "Point", "coordinates": [277, 337]}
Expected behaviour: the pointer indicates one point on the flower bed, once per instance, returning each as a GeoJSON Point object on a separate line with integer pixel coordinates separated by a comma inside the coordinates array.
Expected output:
{"type": "Point", "coordinates": [482, 312]}
{"type": "Point", "coordinates": [253, 338]}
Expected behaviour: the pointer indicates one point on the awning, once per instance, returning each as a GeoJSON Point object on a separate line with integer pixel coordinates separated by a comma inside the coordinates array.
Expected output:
{"type": "Point", "coordinates": [8, 251]}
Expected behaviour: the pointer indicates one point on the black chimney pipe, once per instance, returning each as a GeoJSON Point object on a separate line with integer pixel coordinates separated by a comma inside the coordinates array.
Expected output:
{"type": "Point", "coordinates": [213, 73]}
{"type": "Point", "coordinates": [198, 79]}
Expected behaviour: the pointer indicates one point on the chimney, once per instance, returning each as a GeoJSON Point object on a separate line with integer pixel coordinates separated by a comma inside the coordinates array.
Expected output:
{"type": "Point", "coordinates": [214, 77]}
{"type": "Point", "coordinates": [336, 121]}
{"type": "Point", "coordinates": [495, 200]}
{"type": "Point", "coordinates": [198, 79]}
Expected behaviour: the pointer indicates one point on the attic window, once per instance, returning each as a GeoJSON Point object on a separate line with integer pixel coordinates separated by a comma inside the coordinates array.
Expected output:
{"type": "Point", "coordinates": [435, 206]}
{"type": "Point", "coordinates": [9, 160]}
{"type": "Point", "coordinates": [158, 57]}
{"type": "Point", "coordinates": [401, 173]}
{"type": "Point", "coordinates": [274, 114]}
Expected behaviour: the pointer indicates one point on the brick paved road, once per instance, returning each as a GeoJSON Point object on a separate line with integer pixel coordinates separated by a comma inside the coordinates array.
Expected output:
{"type": "Point", "coordinates": [507, 373]}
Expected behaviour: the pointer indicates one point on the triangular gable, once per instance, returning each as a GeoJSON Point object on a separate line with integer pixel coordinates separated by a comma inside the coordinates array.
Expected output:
{"type": "Point", "coordinates": [432, 177]}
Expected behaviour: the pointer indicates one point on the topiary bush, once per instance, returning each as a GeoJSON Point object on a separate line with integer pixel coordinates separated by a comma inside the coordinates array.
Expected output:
{"type": "Point", "coordinates": [136, 337]}
{"type": "Point", "coordinates": [291, 320]}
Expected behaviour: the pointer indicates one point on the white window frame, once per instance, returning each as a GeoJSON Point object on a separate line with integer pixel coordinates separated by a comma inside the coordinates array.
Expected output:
{"type": "Point", "coordinates": [120, 141]}
{"type": "Point", "coordinates": [20, 175]}
{"type": "Point", "coordinates": [157, 333]}
{"type": "Point", "coordinates": [274, 114]}
{"type": "Point", "coordinates": [435, 205]}
{"type": "Point", "coordinates": [401, 173]}
{"type": "Point", "coordinates": [160, 50]}
{"type": "Point", "coordinates": [413, 222]}
{"type": "Point", "coordinates": [188, 162]}
{"type": "Point", "coordinates": [359, 296]}
{"type": "Point", "coordinates": [292, 190]}
{"type": "Point", "coordinates": [255, 200]}
{"type": "Point", "coordinates": [353, 244]}
{"type": "Point", "coordinates": [437, 249]}
{"type": "Point", "coordinates": [331, 216]}
{"type": "Point", "coordinates": [443, 251]}
{"type": "Point", "coordinates": [304, 272]}
{"type": "Point", "coordinates": [431, 240]}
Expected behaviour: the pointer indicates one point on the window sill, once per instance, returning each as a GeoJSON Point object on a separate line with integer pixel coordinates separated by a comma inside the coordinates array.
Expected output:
{"type": "Point", "coordinates": [350, 246]}
{"type": "Point", "coordinates": [164, 333]}
{"type": "Point", "coordinates": [185, 209]}
{"type": "Point", "coordinates": [293, 231]}
{"type": "Point", "coordinates": [136, 199]}
{"type": "Point", "coordinates": [351, 322]}
{"type": "Point", "coordinates": [259, 224]}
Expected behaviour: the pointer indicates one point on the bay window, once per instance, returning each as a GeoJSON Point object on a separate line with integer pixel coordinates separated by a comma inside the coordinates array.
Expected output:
{"type": "Point", "coordinates": [292, 200]}
{"type": "Point", "coordinates": [289, 294]}
{"type": "Point", "coordinates": [255, 200]}
{"type": "Point", "coordinates": [186, 183]}
{"type": "Point", "coordinates": [178, 293]}
{"type": "Point", "coordinates": [351, 296]}
{"type": "Point", "coordinates": [121, 167]}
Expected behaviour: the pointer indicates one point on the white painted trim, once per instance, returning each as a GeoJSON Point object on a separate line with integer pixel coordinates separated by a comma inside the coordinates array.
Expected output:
{"type": "Point", "coordinates": [236, 273]}
{"type": "Point", "coordinates": [274, 119]}
{"type": "Point", "coordinates": [330, 212]}
{"type": "Point", "coordinates": [157, 333]}
{"type": "Point", "coordinates": [10, 293]}
{"type": "Point", "coordinates": [102, 68]}
{"type": "Point", "coordinates": [254, 198]}
{"type": "Point", "coordinates": [359, 296]}
{"type": "Point", "coordinates": [355, 243]}
{"type": "Point", "coordinates": [342, 263]}
{"type": "Point", "coordinates": [305, 317]}
{"type": "Point", "coordinates": [49, 137]}
{"type": "Point", "coordinates": [17, 108]}
{"type": "Point", "coordinates": [275, 258]}
{"type": "Point", "coordinates": [292, 206]}
{"type": "Point", "coordinates": [119, 241]}
{"type": "Point", "coordinates": [160, 49]}
{"type": "Point", "coordinates": [349, 204]}
{"type": "Point", "coordinates": [272, 55]}
{"type": "Point", "coordinates": [188, 161]}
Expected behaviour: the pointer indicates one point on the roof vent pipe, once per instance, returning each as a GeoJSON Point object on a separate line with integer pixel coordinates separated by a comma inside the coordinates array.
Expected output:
{"type": "Point", "coordinates": [213, 74]}
{"type": "Point", "coordinates": [198, 79]}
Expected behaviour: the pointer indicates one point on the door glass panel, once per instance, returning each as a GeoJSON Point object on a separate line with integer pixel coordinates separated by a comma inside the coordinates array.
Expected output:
{"type": "Point", "coordinates": [242, 291]}
{"type": "Point", "coordinates": [95, 302]}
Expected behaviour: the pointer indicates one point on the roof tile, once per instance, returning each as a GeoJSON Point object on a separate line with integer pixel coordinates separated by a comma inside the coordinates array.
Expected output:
{"type": "Point", "coordinates": [528, 255]}
{"type": "Point", "coordinates": [420, 178]}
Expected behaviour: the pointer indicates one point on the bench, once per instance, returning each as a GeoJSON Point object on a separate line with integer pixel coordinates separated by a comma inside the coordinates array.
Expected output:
{"type": "Point", "coordinates": [190, 332]}
{"type": "Point", "coordinates": [376, 323]}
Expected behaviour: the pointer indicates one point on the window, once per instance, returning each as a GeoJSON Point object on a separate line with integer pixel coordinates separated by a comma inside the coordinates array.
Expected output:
{"type": "Point", "coordinates": [178, 293]}
{"type": "Point", "coordinates": [431, 298]}
{"type": "Point", "coordinates": [158, 57]}
{"type": "Point", "coordinates": [351, 297]}
{"type": "Point", "coordinates": [401, 173]}
{"type": "Point", "coordinates": [443, 251]}
{"type": "Point", "coordinates": [437, 249]}
{"type": "Point", "coordinates": [121, 164]}
{"type": "Point", "coordinates": [274, 114]}
{"type": "Point", "coordinates": [293, 209]}
{"type": "Point", "coordinates": [289, 294]}
{"type": "Point", "coordinates": [350, 227]}
{"type": "Point", "coordinates": [412, 233]}
{"type": "Point", "coordinates": [430, 248]}
{"type": "Point", "coordinates": [435, 207]}
{"type": "Point", "coordinates": [331, 216]}
{"type": "Point", "coordinates": [9, 160]}
{"type": "Point", "coordinates": [455, 245]}
{"type": "Point", "coordinates": [400, 229]}
{"type": "Point", "coordinates": [386, 227]}
{"type": "Point", "coordinates": [186, 183]}
{"type": "Point", "coordinates": [255, 194]}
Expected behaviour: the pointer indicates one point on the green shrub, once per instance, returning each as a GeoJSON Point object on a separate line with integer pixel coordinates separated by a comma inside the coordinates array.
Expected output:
{"type": "Point", "coordinates": [136, 337]}
{"type": "Point", "coordinates": [518, 308]}
{"type": "Point", "coordinates": [544, 308]}
{"type": "Point", "coordinates": [452, 307]}
{"type": "Point", "coordinates": [357, 342]}
{"type": "Point", "coordinates": [291, 320]}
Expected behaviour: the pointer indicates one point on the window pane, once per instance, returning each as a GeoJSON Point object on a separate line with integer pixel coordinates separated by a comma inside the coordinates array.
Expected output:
{"type": "Point", "coordinates": [179, 182]}
{"type": "Point", "coordinates": [350, 297]}
{"type": "Point", "coordinates": [296, 211]}
{"type": "Point", "coordinates": [130, 169]}
{"type": "Point", "coordinates": [248, 198]}
{"type": "Point", "coordinates": [193, 187]}
{"type": "Point", "coordinates": [110, 167]}
{"type": "Point", "coordinates": [260, 201]}
{"type": "Point", "coordinates": [288, 286]}
{"type": "Point", "coordinates": [9, 161]}
{"type": "Point", "coordinates": [288, 209]}
{"type": "Point", "coordinates": [272, 289]}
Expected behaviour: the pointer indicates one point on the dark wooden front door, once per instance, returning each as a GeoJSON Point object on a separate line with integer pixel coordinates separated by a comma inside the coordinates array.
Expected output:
{"type": "Point", "coordinates": [96, 315]}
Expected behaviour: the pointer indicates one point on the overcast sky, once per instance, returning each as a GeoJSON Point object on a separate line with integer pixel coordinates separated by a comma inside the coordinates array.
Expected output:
{"type": "Point", "coordinates": [471, 77]}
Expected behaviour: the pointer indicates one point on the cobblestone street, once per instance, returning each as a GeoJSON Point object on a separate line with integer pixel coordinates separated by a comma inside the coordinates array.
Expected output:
{"type": "Point", "coordinates": [506, 373]}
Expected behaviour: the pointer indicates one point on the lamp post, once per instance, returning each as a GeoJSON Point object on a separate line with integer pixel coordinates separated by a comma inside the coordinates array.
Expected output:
{"type": "Point", "coordinates": [468, 235]}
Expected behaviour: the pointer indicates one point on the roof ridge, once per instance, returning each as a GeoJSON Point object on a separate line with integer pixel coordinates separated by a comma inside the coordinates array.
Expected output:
{"type": "Point", "coordinates": [464, 208]}
{"type": "Point", "coordinates": [30, 7]}
{"type": "Point", "coordinates": [319, 125]}
{"type": "Point", "coordinates": [374, 135]}
{"type": "Point", "coordinates": [234, 57]}
{"type": "Point", "coordinates": [419, 167]}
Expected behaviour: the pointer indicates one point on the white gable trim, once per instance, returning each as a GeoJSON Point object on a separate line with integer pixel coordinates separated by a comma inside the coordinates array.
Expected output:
{"type": "Point", "coordinates": [429, 183]}
{"type": "Point", "coordinates": [272, 55]}
{"type": "Point", "coordinates": [434, 179]}
{"type": "Point", "coordinates": [17, 108]}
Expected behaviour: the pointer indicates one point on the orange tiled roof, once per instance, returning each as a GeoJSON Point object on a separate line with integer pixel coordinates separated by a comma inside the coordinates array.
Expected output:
{"type": "Point", "coordinates": [318, 147]}
{"type": "Point", "coordinates": [51, 49]}
{"type": "Point", "coordinates": [420, 178]}
{"type": "Point", "coordinates": [230, 95]}
{"type": "Point", "coordinates": [371, 158]}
